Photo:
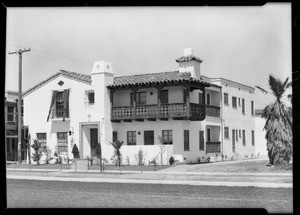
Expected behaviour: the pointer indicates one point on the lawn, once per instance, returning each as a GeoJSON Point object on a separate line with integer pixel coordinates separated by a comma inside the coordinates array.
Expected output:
{"type": "Point", "coordinates": [259, 166]}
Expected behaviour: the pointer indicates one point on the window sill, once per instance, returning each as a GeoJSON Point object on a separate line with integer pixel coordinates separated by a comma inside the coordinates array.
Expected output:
{"type": "Point", "coordinates": [60, 119]}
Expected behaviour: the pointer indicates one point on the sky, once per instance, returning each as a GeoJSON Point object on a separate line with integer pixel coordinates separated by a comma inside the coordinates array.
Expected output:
{"type": "Point", "coordinates": [243, 44]}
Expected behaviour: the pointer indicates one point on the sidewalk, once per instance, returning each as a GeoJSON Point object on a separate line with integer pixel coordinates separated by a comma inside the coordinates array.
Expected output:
{"type": "Point", "coordinates": [158, 177]}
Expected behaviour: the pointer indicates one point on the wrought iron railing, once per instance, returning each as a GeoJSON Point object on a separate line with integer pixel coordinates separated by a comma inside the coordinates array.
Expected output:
{"type": "Point", "coordinates": [212, 147]}
{"type": "Point", "coordinates": [158, 111]}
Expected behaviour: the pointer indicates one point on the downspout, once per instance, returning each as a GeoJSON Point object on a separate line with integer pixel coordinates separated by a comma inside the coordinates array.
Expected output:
{"type": "Point", "coordinates": [221, 113]}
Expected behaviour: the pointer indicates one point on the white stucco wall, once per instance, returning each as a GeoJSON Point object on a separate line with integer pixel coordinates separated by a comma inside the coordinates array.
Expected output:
{"type": "Point", "coordinates": [260, 140]}
{"type": "Point", "coordinates": [233, 118]}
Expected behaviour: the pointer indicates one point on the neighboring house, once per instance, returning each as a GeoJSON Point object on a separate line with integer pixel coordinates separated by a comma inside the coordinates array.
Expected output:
{"type": "Point", "coordinates": [261, 142]}
{"type": "Point", "coordinates": [183, 107]}
{"type": "Point", "coordinates": [11, 127]}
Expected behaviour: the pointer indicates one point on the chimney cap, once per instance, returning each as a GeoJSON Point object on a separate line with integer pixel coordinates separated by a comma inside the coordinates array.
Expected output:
{"type": "Point", "coordinates": [188, 51]}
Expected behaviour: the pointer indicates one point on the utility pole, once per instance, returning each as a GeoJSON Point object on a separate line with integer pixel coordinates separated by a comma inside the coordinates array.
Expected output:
{"type": "Point", "coordinates": [20, 102]}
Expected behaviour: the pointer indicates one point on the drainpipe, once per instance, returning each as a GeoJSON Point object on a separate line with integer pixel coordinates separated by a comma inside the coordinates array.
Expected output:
{"type": "Point", "coordinates": [222, 124]}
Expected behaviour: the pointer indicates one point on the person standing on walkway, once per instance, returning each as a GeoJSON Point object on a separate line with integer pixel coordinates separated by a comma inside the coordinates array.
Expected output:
{"type": "Point", "coordinates": [75, 151]}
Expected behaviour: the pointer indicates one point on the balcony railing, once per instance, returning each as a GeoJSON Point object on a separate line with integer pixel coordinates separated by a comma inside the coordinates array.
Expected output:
{"type": "Point", "coordinates": [213, 147]}
{"type": "Point", "coordinates": [212, 111]}
{"type": "Point", "coordinates": [175, 110]}
{"type": "Point", "coordinates": [59, 113]}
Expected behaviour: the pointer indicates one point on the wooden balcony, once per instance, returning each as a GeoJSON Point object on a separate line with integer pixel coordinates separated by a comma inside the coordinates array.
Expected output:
{"type": "Point", "coordinates": [213, 111]}
{"type": "Point", "coordinates": [163, 111]}
{"type": "Point", "coordinates": [213, 147]}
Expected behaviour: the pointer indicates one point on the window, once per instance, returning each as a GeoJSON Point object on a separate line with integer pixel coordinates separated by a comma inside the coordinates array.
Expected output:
{"type": "Point", "coordinates": [243, 106]}
{"type": "Point", "coordinates": [240, 134]}
{"type": "Point", "coordinates": [167, 136]}
{"type": "Point", "coordinates": [234, 105]}
{"type": "Point", "coordinates": [253, 138]}
{"type": "Point", "coordinates": [186, 140]}
{"type": "Point", "coordinates": [131, 138]}
{"type": "Point", "coordinates": [252, 108]}
{"type": "Point", "coordinates": [244, 138]}
{"type": "Point", "coordinates": [200, 99]}
{"type": "Point", "coordinates": [91, 98]}
{"type": "Point", "coordinates": [60, 105]}
{"type": "Point", "coordinates": [10, 114]}
{"type": "Point", "coordinates": [140, 98]}
{"type": "Point", "coordinates": [201, 140]}
{"type": "Point", "coordinates": [237, 136]}
{"type": "Point", "coordinates": [226, 132]}
{"type": "Point", "coordinates": [240, 102]}
{"type": "Point", "coordinates": [208, 99]}
{"type": "Point", "coordinates": [226, 99]}
{"type": "Point", "coordinates": [208, 135]}
{"type": "Point", "coordinates": [62, 142]}
{"type": "Point", "coordinates": [164, 96]}
{"type": "Point", "coordinates": [115, 136]}
{"type": "Point", "coordinates": [42, 138]}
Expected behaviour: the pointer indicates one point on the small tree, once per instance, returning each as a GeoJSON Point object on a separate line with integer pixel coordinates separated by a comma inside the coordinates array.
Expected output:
{"type": "Point", "coordinates": [141, 158]}
{"type": "Point", "coordinates": [162, 148]}
{"type": "Point", "coordinates": [117, 147]}
{"type": "Point", "coordinates": [37, 152]}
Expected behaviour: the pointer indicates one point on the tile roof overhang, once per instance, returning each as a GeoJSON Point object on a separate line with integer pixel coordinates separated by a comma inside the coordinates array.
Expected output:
{"type": "Point", "coordinates": [73, 75]}
{"type": "Point", "coordinates": [188, 58]}
{"type": "Point", "coordinates": [152, 79]}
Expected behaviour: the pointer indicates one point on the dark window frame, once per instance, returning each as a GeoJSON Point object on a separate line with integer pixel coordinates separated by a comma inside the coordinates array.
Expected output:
{"type": "Point", "coordinates": [234, 102]}
{"type": "Point", "coordinates": [226, 132]}
{"type": "Point", "coordinates": [62, 143]}
{"type": "Point", "coordinates": [243, 106]}
{"type": "Point", "coordinates": [253, 137]}
{"type": "Point", "coordinates": [207, 98]}
{"type": "Point", "coordinates": [167, 136]}
{"type": "Point", "coordinates": [186, 140]}
{"type": "Point", "coordinates": [131, 141]}
{"type": "Point", "coordinates": [252, 108]}
{"type": "Point", "coordinates": [226, 99]}
{"type": "Point", "coordinates": [208, 135]}
{"type": "Point", "coordinates": [138, 98]}
{"type": "Point", "coordinates": [10, 114]}
{"type": "Point", "coordinates": [91, 98]}
{"type": "Point", "coordinates": [244, 137]}
{"type": "Point", "coordinates": [42, 138]}
{"type": "Point", "coordinates": [201, 141]}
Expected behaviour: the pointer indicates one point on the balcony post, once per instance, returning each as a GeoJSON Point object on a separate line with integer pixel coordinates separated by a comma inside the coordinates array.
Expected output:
{"type": "Point", "coordinates": [111, 102]}
{"type": "Point", "coordinates": [188, 101]}
{"type": "Point", "coordinates": [158, 99]}
{"type": "Point", "coordinates": [203, 101]}
{"type": "Point", "coordinates": [134, 101]}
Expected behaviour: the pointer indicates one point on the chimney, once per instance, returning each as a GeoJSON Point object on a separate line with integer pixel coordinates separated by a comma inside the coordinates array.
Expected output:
{"type": "Point", "coordinates": [189, 63]}
{"type": "Point", "coordinates": [102, 75]}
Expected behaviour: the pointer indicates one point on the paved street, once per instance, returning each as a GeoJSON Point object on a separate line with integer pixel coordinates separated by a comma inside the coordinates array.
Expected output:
{"type": "Point", "coordinates": [94, 195]}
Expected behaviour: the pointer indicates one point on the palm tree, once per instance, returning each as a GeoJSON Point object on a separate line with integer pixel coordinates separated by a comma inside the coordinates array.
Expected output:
{"type": "Point", "coordinates": [278, 126]}
{"type": "Point", "coordinates": [117, 146]}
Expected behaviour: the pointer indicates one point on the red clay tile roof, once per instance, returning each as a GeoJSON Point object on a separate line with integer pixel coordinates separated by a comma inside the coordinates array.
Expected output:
{"type": "Point", "coordinates": [78, 76]}
{"type": "Point", "coordinates": [155, 79]}
{"type": "Point", "coordinates": [132, 80]}
{"type": "Point", "coordinates": [188, 58]}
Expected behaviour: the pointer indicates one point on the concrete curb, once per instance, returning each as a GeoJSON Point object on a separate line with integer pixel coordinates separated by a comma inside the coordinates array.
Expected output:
{"type": "Point", "coordinates": [154, 172]}
{"type": "Point", "coordinates": [142, 181]}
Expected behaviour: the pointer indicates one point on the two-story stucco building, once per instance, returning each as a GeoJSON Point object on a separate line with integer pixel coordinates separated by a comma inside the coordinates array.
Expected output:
{"type": "Point", "coordinates": [198, 118]}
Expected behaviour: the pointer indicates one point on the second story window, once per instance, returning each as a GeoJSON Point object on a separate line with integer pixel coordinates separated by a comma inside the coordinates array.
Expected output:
{"type": "Point", "coordinates": [200, 99]}
{"type": "Point", "coordinates": [91, 98]}
{"type": "Point", "coordinates": [59, 105]}
{"type": "Point", "coordinates": [226, 99]}
{"type": "Point", "coordinates": [131, 138]}
{"type": "Point", "coordinates": [10, 114]}
{"type": "Point", "coordinates": [167, 136]}
{"type": "Point", "coordinates": [186, 140]}
{"type": "Point", "coordinates": [252, 108]}
{"type": "Point", "coordinates": [208, 99]}
{"type": "Point", "coordinates": [234, 103]}
{"type": "Point", "coordinates": [244, 138]}
{"type": "Point", "coordinates": [140, 98]}
{"type": "Point", "coordinates": [243, 106]}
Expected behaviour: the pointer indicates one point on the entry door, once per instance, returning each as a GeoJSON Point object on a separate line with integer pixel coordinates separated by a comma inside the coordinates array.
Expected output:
{"type": "Point", "coordinates": [233, 140]}
{"type": "Point", "coordinates": [95, 150]}
{"type": "Point", "coordinates": [149, 137]}
{"type": "Point", "coordinates": [164, 97]}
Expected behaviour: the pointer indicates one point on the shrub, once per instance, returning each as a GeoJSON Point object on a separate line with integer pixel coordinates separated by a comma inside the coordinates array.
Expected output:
{"type": "Point", "coordinates": [37, 152]}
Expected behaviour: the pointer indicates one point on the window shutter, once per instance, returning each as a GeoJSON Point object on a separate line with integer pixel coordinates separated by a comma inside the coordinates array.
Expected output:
{"type": "Point", "coordinates": [66, 102]}
{"type": "Point", "coordinates": [52, 103]}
